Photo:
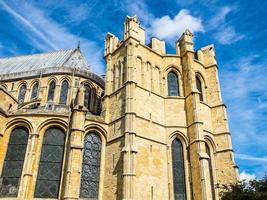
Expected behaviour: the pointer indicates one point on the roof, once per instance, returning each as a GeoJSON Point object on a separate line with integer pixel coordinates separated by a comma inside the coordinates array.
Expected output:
{"type": "Point", "coordinates": [71, 58]}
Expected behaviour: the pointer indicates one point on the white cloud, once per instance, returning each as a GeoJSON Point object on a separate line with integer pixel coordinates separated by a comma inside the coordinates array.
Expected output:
{"type": "Point", "coordinates": [46, 34]}
{"type": "Point", "coordinates": [165, 27]}
{"type": "Point", "coordinates": [171, 28]}
{"type": "Point", "coordinates": [246, 176]}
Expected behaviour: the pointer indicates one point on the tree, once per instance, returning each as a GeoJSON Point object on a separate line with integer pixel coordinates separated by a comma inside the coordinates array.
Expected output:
{"type": "Point", "coordinates": [242, 190]}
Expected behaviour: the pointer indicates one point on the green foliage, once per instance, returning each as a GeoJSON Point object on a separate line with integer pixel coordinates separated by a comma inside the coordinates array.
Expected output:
{"type": "Point", "coordinates": [252, 190]}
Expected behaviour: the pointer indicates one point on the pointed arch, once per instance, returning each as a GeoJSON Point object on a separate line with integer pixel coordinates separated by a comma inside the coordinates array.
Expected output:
{"type": "Point", "coordinates": [22, 93]}
{"type": "Point", "coordinates": [14, 161]}
{"type": "Point", "coordinates": [178, 170]}
{"type": "Point", "coordinates": [64, 92]}
{"type": "Point", "coordinates": [87, 96]}
{"type": "Point", "coordinates": [211, 177]}
{"type": "Point", "coordinates": [173, 84]}
{"type": "Point", "coordinates": [199, 88]}
{"type": "Point", "coordinates": [50, 166]}
{"type": "Point", "coordinates": [51, 91]}
{"type": "Point", "coordinates": [35, 91]}
{"type": "Point", "coordinates": [90, 177]}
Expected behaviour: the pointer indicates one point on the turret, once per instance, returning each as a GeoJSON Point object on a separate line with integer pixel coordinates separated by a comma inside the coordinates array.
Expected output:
{"type": "Point", "coordinates": [111, 43]}
{"type": "Point", "coordinates": [185, 43]}
{"type": "Point", "coordinates": [133, 29]}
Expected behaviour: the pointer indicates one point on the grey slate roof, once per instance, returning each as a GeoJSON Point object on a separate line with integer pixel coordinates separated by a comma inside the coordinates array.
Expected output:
{"type": "Point", "coordinates": [71, 58]}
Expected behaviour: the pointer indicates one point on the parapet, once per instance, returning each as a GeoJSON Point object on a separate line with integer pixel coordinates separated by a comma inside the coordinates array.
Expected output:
{"type": "Point", "coordinates": [206, 55]}
{"type": "Point", "coordinates": [158, 45]}
{"type": "Point", "coordinates": [133, 29]}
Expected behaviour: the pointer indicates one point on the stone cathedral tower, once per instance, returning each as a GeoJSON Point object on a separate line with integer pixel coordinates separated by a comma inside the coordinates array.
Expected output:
{"type": "Point", "coordinates": [154, 129]}
{"type": "Point", "coordinates": [167, 122]}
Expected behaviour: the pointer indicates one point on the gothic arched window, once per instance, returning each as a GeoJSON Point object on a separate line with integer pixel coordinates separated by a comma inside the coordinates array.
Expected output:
{"type": "Point", "coordinates": [64, 92]}
{"type": "Point", "coordinates": [211, 173]}
{"type": "Point", "coordinates": [178, 170]}
{"type": "Point", "coordinates": [87, 96]}
{"type": "Point", "coordinates": [91, 166]}
{"type": "Point", "coordinates": [50, 166]}
{"type": "Point", "coordinates": [51, 91]}
{"type": "Point", "coordinates": [173, 84]}
{"type": "Point", "coordinates": [199, 88]}
{"type": "Point", "coordinates": [35, 91]}
{"type": "Point", "coordinates": [22, 93]}
{"type": "Point", "coordinates": [13, 163]}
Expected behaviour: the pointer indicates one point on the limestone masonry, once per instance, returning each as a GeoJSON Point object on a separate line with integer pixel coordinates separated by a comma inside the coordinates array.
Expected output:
{"type": "Point", "coordinates": [153, 128]}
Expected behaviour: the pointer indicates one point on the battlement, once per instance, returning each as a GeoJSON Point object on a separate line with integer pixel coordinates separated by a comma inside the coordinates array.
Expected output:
{"type": "Point", "coordinates": [133, 29]}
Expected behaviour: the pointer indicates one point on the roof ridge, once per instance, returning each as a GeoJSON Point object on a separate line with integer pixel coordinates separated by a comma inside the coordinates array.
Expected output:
{"type": "Point", "coordinates": [49, 52]}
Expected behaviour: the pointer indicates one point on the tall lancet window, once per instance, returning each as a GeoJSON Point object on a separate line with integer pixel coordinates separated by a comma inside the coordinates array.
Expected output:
{"type": "Point", "coordinates": [64, 92]}
{"type": "Point", "coordinates": [35, 91]}
{"type": "Point", "coordinates": [22, 93]}
{"type": "Point", "coordinates": [173, 84]}
{"type": "Point", "coordinates": [50, 166]}
{"type": "Point", "coordinates": [211, 173]}
{"type": "Point", "coordinates": [87, 96]}
{"type": "Point", "coordinates": [51, 91]}
{"type": "Point", "coordinates": [91, 166]}
{"type": "Point", "coordinates": [199, 88]}
{"type": "Point", "coordinates": [13, 163]}
{"type": "Point", "coordinates": [178, 170]}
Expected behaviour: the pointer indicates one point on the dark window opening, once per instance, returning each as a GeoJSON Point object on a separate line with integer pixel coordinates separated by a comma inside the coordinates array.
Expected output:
{"type": "Point", "coordinates": [91, 166]}
{"type": "Point", "coordinates": [51, 91]}
{"type": "Point", "coordinates": [178, 170]}
{"type": "Point", "coordinates": [13, 163]}
{"type": "Point", "coordinates": [199, 88]}
{"type": "Point", "coordinates": [35, 91]}
{"type": "Point", "coordinates": [50, 166]}
{"type": "Point", "coordinates": [64, 92]}
{"type": "Point", "coordinates": [22, 93]}
{"type": "Point", "coordinates": [173, 84]}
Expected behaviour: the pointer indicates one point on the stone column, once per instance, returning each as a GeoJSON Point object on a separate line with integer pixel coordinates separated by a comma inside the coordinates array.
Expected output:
{"type": "Point", "coordinates": [129, 150]}
{"type": "Point", "coordinates": [26, 187]}
{"type": "Point", "coordinates": [198, 157]}
{"type": "Point", "coordinates": [71, 183]}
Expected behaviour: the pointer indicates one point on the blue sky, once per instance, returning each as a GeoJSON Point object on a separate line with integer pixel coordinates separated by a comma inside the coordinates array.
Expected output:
{"type": "Point", "coordinates": [238, 29]}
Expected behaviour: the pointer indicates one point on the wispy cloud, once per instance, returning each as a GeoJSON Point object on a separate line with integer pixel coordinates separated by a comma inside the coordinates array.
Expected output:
{"type": "Point", "coordinates": [251, 158]}
{"type": "Point", "coordinates": [45, 34]}
{"type": "Point", "coordinates": [244, 90]}
{"type": "Point", "coordinates": [27, 24]}
{"type": "Point", "coordinates": [224, 33]}
{"type": "Point", "coordinates": [140, 9]}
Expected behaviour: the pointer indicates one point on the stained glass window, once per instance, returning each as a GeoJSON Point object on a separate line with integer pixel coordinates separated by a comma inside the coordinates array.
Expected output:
{"type": "Point", "coordinates": [51, 91]}
{"type": "Point", "coordinates": [35, 90]}
{"type": "Point", "coordinates": [178, 170]}
{"type": "Point", "coordinates": [22, 93]}
{"type": "Point", "coordinates": [13, 163]}
{"type": "Point", "coordinates": [199, 88]}
{"type": "Point", "coordinates": [173, 85]}
{"type": "Point", "coordinates": [211, 173]}
{"type": "Point", "coordinates": [91, 167]}
{"type": "Point", "coordinates": [64, 92]}
{"type": "Point", "coordinates": [50, 166]}
{"type": "Point", "coordinates": [87, 96]}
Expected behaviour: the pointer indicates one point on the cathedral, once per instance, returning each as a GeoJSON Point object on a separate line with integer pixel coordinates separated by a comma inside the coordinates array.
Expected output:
{"type": "Point", "coordinates": [154, 127]}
